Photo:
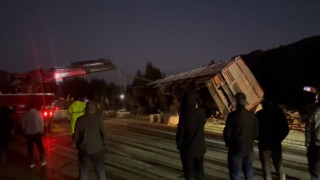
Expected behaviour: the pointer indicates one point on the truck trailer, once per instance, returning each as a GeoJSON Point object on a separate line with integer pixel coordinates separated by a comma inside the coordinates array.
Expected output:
{"type": "Point", "coordinates": [223, 80]}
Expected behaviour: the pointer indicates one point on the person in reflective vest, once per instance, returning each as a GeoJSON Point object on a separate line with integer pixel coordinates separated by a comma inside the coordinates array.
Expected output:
{"type": "Point", "coordinates": [76, 109]}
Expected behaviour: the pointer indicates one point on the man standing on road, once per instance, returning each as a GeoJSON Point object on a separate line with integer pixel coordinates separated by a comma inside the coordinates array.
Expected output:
{"type": "Point", "coordinates": [190, 136]}
{"type": "Point", "coordinates": [273, 128]}
{"type": "Point", "coordinates": [33, 125]}
{"type": "Point", "coordinates": [313, 139]}
{"type": "Point", "coordinates": [75, 110]}
{"type": "Point", "coordinates": [6, 128]}
{"type": "Point", "coordinates": [90, 139]}
{"type": "Point", "coordinates": [239, 134]}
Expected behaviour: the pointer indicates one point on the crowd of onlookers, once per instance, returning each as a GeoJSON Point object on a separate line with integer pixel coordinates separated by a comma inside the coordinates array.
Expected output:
{"type": "Point", "coordinates": [268, 126]}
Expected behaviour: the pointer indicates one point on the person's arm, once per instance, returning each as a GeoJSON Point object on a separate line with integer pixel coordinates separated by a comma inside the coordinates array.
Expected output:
{"type": "Point", "coordinates": [256, 130]}
{"type": "Point", "coordinates": [103, 133]}
{"type": "Point", "coordinates": [284, 126]}
{"type": "Point", "coordinates": [23, 123]}
{"type": "Point", "coordinates": [11, 124]}
{"type": "Point", "coordinates": [317, 126]}
{"type": "Point", "coordinates": [179, 134]}
{"type": "Point", "coordinates": [204, 116]}
{"type": "Point", "coordinates": [227, 132]}
{"type": "Point", "coordinates": [70, 112]}
{"type": "Point", "coordinates": [41, 122]}
{"type": "Point", "coordinates": [76, 134]}
{"type": "Point", "coordinates": [260, 117]}
{"type": "Point", "coordinates": [307, 132]}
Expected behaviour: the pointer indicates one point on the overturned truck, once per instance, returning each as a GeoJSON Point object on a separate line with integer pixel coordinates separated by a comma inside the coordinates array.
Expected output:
{"type": "Point", "coordinates": [220, 80]}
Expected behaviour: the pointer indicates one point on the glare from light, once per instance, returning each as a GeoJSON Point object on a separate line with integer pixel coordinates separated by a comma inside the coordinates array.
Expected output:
{"type": "Point", "coordinates": [121, 96]}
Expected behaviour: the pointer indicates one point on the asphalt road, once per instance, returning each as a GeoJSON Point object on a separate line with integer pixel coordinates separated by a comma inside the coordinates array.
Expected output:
{"type": "Point", "coordinates": [136, 150]}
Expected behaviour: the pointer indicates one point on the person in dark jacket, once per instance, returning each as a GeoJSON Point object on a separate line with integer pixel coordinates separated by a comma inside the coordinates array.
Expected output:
{"type": "Point", "coordinates": [312, 135]}
{"type": "Point", "coordinates": [90, 139]}
{"type": "Point", "coordinates": [6, 128]}
{"type": "Point", "coordinates": [273, 128]}
{"type": "Point", "coordinates": [239, 134]}
{"type": "Point", "coordinates": [190, 136]}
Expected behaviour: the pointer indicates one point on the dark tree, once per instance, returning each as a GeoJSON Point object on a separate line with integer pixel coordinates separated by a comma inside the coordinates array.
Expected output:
{"type": "Point", "coordinates": [139, 79]}
{"type": "Point", "coordinates": [97, 89]}
{"type": "Point", "coordinates": [113, 93]}
{"type": "Point", "coordinates": [75, 87]}
{"type": "Point", "coordinates": [144, 98]}
{"type": "Point", "coordinates": [152, 73]}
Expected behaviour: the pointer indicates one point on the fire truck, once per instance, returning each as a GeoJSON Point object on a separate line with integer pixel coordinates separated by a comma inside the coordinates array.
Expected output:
{"type": "Point", "coordinates": [29, 89]}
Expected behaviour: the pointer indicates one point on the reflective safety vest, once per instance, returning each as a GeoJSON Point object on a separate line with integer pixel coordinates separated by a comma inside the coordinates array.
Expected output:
{"type": "Point", "coordinates": [75, 110]}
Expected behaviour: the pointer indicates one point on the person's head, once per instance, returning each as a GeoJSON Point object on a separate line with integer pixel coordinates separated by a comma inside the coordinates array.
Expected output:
{"type": "Point", "coordinates": [241, 99]}
{"type": "Point", "coordinates": [91, 107]}
{"type": "Point", "coordinates": [265, 103]}
{"type": "Point", "coordinates": [190, 101]}
{"type": "Point", "coordinates": [12, 106]}
{"type": "Point", "coordinates": [85, 99]}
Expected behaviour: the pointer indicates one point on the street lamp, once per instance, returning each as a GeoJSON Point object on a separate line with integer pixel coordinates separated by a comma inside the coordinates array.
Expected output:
{"type": "Point", "coordinates": [122, 100]}
{"type": "Point", "coordinates": [122, 96]}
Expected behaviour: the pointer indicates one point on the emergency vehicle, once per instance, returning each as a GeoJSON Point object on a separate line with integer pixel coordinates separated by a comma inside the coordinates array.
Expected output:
{"type": "Point", "coordinates": [20, 102]}
{"type": "Point", "coordinates": [30, 87]}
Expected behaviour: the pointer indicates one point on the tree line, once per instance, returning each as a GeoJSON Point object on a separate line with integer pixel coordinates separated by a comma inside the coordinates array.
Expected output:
{"type": "Point", "coordinates": [138, 97]}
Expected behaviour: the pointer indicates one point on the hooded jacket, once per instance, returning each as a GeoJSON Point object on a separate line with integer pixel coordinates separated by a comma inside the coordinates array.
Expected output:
{"type": "Point", "coordinates": [75, 110]}
{"type": "Point", "coordinates": [32, 122]}
{"type": "Point", "coordinates": [273, 126]}
{"type": "Point", "coordinates": [89, 134]}
{"type": "Point", "coordinates": [240, 131]}
{"type": "Point", "coordinates": [190, 130]}
{"type": "Point", "coordinates": [313, 126]}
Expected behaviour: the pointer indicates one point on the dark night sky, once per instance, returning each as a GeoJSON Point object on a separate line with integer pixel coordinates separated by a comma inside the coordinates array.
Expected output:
{"type": "Point", "coordinates": [175, 35]}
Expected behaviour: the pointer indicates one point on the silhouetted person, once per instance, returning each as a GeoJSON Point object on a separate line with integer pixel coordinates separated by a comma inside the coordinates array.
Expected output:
{"type": "Point", "coordinates": [90, 139]}
{"type": "Point", "coordinates": [190, 136]}
{"type": "Point", "coordinates": [239, 134]}
{"type": "Point", "coordinates": [33, 125]}
{"type": "Point", "coordinates": [273, 128]}
{"type": "Point", "coordinates": [6, 127]}
{"type": "Point", "coordinates": [313, 139]}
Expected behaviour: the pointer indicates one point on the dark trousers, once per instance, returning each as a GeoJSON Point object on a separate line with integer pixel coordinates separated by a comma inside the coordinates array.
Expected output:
{"type": "Point", "coordinates": [237, 163]}
{"type": "Point", "coordinates": [97, 160]}
{"type": "Point", "coordinates": [313, 153]}
{"type": "Point", "coordinates": [37, 139]}
{"type": "Point", "coordinates": [192, 167]}
{"type": "Point", "coordinates": [276, 155]}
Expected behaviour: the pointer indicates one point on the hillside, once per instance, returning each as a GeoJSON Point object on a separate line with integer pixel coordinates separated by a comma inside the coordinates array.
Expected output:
{"type": "Point", "coordinates": [282, 72]}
